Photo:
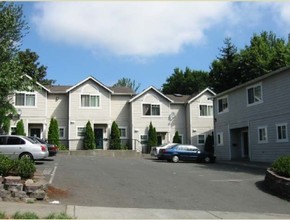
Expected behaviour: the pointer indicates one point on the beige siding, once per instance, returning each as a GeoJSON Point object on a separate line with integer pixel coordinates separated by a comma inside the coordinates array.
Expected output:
{"type": "Point", "coordinates": [178, 123]}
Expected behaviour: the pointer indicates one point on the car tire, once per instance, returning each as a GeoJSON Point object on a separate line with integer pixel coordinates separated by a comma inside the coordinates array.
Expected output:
{"type": "Point", "coordinates": [175, 159]}
{"type": "Point", "coordinates": [26, 155]}
{"type": "Point", "coordinates": [207, 159]}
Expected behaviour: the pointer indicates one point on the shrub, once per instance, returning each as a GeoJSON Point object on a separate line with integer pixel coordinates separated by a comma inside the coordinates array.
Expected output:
{"type": "Point", "coordinates": [25, 168]}
{"type": "Point", "coordinates": [176, 138]}
{"type": "Point", "coordinates": [209, 144]}
{"type": "Point", "coordinates": [20, 128]}
{"type": "Point", "coordinates": [115, 141]}
{"type": "Point", "coordinates": [53, 132]}
{"type": "Point", "coordinates": [58, 216]}
{"type": "Point", "coordinates": [6, 165]}
{"type": "Point", "coordinates": [25, 215]}
{"type": "Point", "coordinates": [89, 138]}
{"type": "Point", "coordinates": [152, 137]}
{"type": "Point", "coordinates": [282, 166]}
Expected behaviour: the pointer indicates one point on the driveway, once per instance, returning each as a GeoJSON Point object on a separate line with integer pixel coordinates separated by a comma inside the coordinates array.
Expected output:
{"type": "Point", "coordinates": [138, 182]}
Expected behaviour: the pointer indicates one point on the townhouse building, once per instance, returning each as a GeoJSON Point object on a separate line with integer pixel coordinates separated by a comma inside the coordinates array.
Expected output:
{"type": "Point", "coordinates": [251, 120]}
{"type": "Point", "coordinates": [90, 100]}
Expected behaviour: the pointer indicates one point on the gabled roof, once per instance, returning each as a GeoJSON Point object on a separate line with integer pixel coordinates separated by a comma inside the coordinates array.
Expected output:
{"type": "Point", "coordinates": [93, 79]}
{"type": "Point", "coordinates": [254, 80]}
{"type": "Point", "coordinates": [178, 98]}
{"type": "Point", "coordinates": [29, 77]}
{"type": "Point", "coordinates": [195, 96]}
{"type": "Point", "coordinates": [122, 90]}
{"type": "Point", "coordinates": [146, 90]}
{"type": "Point", "coordinates": [58, 88]}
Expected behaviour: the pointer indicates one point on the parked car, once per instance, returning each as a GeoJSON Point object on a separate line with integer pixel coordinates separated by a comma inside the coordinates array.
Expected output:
{"type": "Point", "coordinates": [181, 152]}
{"type": "Point", "coordinates": [155, 150]}
{"type": "Point", "coordinates": [52, 149]}
{"type": "Point", "coordinates": [16, 146]}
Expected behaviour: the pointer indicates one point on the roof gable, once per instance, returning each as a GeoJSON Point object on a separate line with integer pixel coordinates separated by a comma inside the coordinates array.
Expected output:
{"type": "Point", "coordinates": [148, 89]}
{"type": "Point", "coordinates": [200, 94]}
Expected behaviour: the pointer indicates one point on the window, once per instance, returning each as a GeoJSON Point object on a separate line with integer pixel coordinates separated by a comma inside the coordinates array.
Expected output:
{"type": "Point", "coordinates": [149, 109]}
{"type": "Point", "coordinates": [201, 139]}
{"type": "Point", "coordinates": [254, 94]}
{"type": "Point", "coordinates": [13, 130]}
{"type": "Point", "coordinates": [81, 131]}
{"type": "Point", "coordinates": [220, 139]}
{"type": "Point", "coordinates": [205, 110]}
{"type": "Point", "coordinates": [123, 132]}
{"type": "Point", "coordinates": [262, 135]}
{"type": "Point", "coordinates": [25, 99]}
{"type": "Point", "coordinates": [144, 139]}
{"type": "Point", "coordinates": [223, 105]}
{"type": "Point", "coordinates": [282, 134]}
{"type": "Point", "coordinates": [90, 101]}
{"type": "Point", "coordinates": [15, 141]}
{"type": "Point", "coordinates": [61, 131]}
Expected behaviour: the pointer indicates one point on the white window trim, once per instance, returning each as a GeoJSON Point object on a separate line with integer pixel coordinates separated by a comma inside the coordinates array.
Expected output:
{"type": "Point", "coordinates": [225, 110]}
{"type": "Point", "coordinates": [64, 133]}
{"type": "Point", "coordinates": [277, 135]}
{"type": "Point", "coordinates": [266, 131]}
{"type": "Point", "coordinates": [146, 116]}
{"type": "Point", "coordinates": [89, 107]}
{"type": "Point", "coordinates": [254, 103]}
{"type": "Point", "coordinates": [206, 116]}
{"type": "Point", "coordinates": [204, 138]}
{"type": "Point", "coordinates": [77, 128]}
{"type": "Point", "coordinates": [26, 93]}
{"type": "Point", "coordinates": [126, 130]}
{"type": "Point", "coordinates": [221, 134]}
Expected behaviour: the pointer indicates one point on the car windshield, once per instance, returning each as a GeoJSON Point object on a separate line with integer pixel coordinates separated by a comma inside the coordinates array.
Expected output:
{"type": "Point", "coordinates": [30, 140]}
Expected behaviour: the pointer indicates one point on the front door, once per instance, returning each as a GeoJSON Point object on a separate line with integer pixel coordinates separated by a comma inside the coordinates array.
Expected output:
{"type": "Point", "coordinates": [99, 138]}
{"type": "Point", "coordinates": [246, 144]}
{"type": "Point", "coordinates": [35, 132]}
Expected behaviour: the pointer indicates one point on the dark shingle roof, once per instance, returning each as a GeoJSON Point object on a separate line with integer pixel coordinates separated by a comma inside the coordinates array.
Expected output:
{"type": "Point", "coordinates": [58, 89]}
{"type": "Point", "coordinates": [177, 98]}
{"type": "Point", "coordinates": [122, 90]}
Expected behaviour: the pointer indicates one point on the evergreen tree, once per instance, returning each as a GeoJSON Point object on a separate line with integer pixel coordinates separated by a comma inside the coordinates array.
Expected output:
{"type": "Point", "coordinates": [53, 132]}
{"type": "Point", "coordinates": [115, 141]}
{"type": "Point", "coordinates": [209, 144]}
{"type": "Point", "coordinates": [176, 138]}
{"type": "Point", "coordinates": [89, 139]}
{"type": "Point", "coordinates": [152, 137]}
{"type": "Point", "coordinates": [20, 128]}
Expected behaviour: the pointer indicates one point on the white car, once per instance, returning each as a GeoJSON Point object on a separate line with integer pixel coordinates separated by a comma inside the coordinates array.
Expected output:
{"type": "Point", "coordinates": [155, 150]}
{"type": "Point", "coordinates": [16, 146]}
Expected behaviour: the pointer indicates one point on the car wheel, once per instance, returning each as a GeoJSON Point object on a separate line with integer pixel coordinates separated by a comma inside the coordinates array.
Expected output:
{"type": "Point", "coordinates": [26, 155]}
{"type": "Point", "coordinates": [175, 159]}
{"type": "Point", "coordinates": [207, 159]}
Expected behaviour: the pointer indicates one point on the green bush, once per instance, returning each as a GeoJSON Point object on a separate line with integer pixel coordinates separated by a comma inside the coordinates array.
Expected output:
{"type": "Point", "coordinates": [25, 168]}
{"type": "Point", "coordinates": [115, 141]}
{"type": "Point", "coordinates": [6, 165]}
{"type": "Point", "coordinates": [20, 128]}
{"type": "Point", "coordinates": [53, 132]}
{"type": "Point", "coordinates": [176, 138]}
{"type": "Point", "coordinates": [282, 166]}
{"type": "Point", "coordinates": [25, 215]}
{"type": "Point", "coordinates": [89, 138]}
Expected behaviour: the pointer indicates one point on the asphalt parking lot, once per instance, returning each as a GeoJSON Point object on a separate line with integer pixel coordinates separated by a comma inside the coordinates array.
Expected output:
{"type": "Point", "coordinates": [138, 182]}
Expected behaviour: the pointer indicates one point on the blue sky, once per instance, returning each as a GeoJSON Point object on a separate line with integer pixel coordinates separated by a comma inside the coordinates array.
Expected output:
{"type": "Point", "coordinates": [140, 40]}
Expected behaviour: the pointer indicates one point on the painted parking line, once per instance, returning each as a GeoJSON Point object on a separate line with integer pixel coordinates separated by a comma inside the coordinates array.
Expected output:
{"type": "Point", "coordinates": [52, 174]}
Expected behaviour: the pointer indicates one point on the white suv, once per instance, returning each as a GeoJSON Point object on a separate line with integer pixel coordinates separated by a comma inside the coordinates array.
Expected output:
{"type": "Point", "coordinates": [16, 146]}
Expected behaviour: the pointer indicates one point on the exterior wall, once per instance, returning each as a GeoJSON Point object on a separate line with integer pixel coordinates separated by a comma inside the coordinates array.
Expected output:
{"type": "Point", "coordinates": [178, 123]}
{"type": "Point", "coordinates": [199, 125]}
{"type": "Point", "coordinates": [79, 116]}
{"type": "Point", "coordinates": [274, 109]}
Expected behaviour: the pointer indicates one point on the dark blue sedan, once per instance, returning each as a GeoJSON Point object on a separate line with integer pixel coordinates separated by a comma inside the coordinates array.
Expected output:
{"type": "Point", "coordinates": [182, 152]}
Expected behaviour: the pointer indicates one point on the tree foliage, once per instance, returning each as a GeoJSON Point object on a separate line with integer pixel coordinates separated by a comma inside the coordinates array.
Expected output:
{"type": "Point", "coordinates": [89, 139]}
{"type": "Point", "coordinates": [53, 132]}
{"type": "Point", "coordinates": [115, 140]}
{"type": "Point", "coordinates": [265, 54]}
{"type": "Point", "coordinates": [176, 138]}
{"type": "Point", "coordinates": [185, 82]}
{"type": "Point", "coordinates": [20, 128]}
{"type": "Point", "coordinates": [152, 136]}
{"type": "Point", "coordinates": [209, 144]}
{"type": "Point", "coordinates": [126, 82]}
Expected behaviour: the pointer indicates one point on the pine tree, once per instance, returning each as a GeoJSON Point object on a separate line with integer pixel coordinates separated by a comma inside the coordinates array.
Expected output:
{"type": "Point", "coordinates": [53, 132]}
{"type": "Point", "coordinates": [176, 138]}
{"type": "Point", "coordinates": [89, 139]}
{"type": "Point", "coordinates": [115, 141]}
{"type": "Point", "coordinates": [152, 137]}
{"type": "Point", "coordinates": [20, 128]}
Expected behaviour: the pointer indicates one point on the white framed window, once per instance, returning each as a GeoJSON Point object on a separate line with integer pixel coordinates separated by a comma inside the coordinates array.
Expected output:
{"type": "Point", "coordinates": [220, 138]}
{"type": "Point", "coordinates": [143, 139]}
{"type": "Point", "coordinates": [262, 134]}
{"type": "Point", "coordinates": [254, 94]}
{"type": "Point", "coordinates": [282, 132]}
{"type": "Point", "coordinates": [91, 101]}
{"type": "Point", "coordinates": [123, 132]}
{"type": "Point", "coordinates": [61, 131]}
{"type": "Point", "coordinates": [25, 99]}
{"type": "Point", "coordinates": [205, 110]}
{"type": "Point", "coordinates": [201, 139]}
{"type": "Point", "coordinates": [223, 105]}
{"type": "Point", "coordinates": [13, 130]}
{"type": "Point", "coordinates": [151, 109]}
{"type": "Point", "coordinates": [81, 131]}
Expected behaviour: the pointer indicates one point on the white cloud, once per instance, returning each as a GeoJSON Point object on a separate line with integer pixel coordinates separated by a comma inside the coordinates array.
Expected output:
{"type": "Point", "coordinates": [139, 29]}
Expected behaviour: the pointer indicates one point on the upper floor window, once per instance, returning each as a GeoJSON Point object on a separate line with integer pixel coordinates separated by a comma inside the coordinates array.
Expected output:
{"type": "Point", "coordinates": [262, 135]}
{"type": "Point", "coordinates": [223, 105]}
{"type": "Point", "coordinates": [282, 133]}
{"type": "Point", "coordinates": [25, 99]}
{"type": "Point", "coordinates": [90, 101]}
{"type": "Point", "coordinates": [151, 109]}
{"type": "Point", "coordinates": [205, 110]}
{"type": "Point", "coordinates": [254, 94]}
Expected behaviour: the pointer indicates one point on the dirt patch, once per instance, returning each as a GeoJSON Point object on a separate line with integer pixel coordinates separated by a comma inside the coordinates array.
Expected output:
{"type": "Point", "coordinates": [55, 193]}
